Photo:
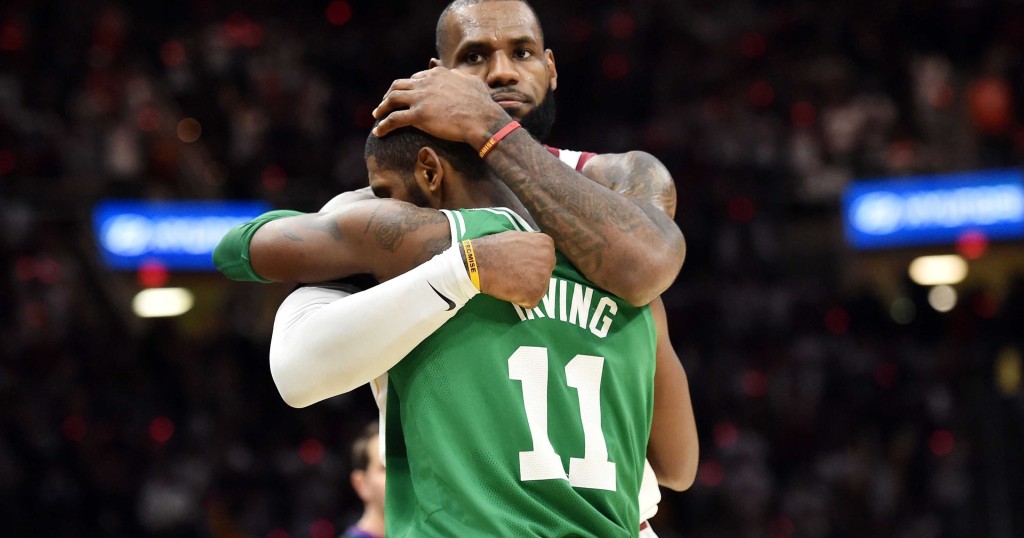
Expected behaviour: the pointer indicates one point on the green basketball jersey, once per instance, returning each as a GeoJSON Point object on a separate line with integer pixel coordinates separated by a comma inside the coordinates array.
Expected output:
{"type": "Point", "coordinates": [522, 422]}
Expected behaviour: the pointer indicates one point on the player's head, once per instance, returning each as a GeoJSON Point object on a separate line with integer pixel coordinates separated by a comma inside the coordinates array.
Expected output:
{"type": "Point", "coordinates": [368, 469]}
{"type": "Point", "coordinates": [501, 42]}
{"type": "Point", "coordinates": [410, 165]}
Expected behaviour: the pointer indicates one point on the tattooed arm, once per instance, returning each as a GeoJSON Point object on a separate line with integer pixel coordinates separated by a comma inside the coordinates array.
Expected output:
{"type": "Point", "coordinates": [628, 246]}
{"type": "Point", "coordinates": [625, 246]}
{"type": "Point", "coordinates": [383, 238]}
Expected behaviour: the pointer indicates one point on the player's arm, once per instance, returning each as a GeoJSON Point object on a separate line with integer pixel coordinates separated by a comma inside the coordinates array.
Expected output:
{"type": "Point", "coordinates": [632, 251]}
{"type": "Point", "coordinates": [383, 238]}
{"type": "Point", "coordinates": [327, 342]}
{"type": "Point", "coordinates": [672, 448]}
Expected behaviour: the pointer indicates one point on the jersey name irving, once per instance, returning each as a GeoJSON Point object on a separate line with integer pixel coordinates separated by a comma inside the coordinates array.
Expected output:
{"type": "Point", "coordinates": [571, 303]}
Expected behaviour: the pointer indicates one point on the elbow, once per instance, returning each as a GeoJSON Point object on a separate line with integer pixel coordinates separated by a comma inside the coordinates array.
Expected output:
{"type": "Point", "coordinates": [677, 473]}
{"type": "Point", "coordinates": [680, 481]}
{"type": "Point", "coordinates": [646, 280]}
{"type": "Point", "coordinates": [678, 477]}
{"type": "Point", "coordinates": [291, 387]}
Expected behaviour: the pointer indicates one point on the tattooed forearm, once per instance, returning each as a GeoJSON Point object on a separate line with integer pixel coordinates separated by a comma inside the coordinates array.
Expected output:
{"type": "Point", "coordinates": [608, 237]}
{"type": "Point", "coordinates": [390, 222]}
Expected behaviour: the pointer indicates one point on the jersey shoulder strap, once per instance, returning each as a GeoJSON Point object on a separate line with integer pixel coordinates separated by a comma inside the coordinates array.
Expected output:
{"type": "Point", "coordinates": [575, 159]}
{"type": "Point", "coordinates": [473, 223]}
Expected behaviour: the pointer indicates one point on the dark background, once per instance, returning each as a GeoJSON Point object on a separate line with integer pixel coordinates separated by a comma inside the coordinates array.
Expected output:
{"type": "Point", "coordinates": [820, 414]}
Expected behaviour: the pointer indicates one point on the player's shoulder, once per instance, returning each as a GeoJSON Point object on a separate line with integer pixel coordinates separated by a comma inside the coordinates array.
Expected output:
{"type": "Point", "coordinates": [349, 197]}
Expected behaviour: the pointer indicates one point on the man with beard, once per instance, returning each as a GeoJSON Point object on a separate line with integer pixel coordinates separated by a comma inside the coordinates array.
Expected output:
{"type": "Point", "coordinates": [492, 68]}
{"type": "Point", "coordinates": [505, 421]}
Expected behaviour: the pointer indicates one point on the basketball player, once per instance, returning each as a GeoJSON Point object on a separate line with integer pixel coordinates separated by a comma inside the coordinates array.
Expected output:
{"type": "Point", "coordinates": [500, 43]}
{"type": "Point", "coordinates": [505, 421]}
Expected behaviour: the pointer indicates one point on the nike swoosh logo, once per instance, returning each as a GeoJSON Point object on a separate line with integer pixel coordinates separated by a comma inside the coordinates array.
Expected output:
{"type": "Point", "coordinates": [451, 303]}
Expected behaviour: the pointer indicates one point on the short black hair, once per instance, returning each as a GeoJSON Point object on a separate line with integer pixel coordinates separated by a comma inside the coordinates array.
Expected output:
{"type": "Point", "coordinates": [360, 459]}
{"type": "Point", "coordinates": [398, 150]}
{"type": "Point", "coordinates": [441, 34]}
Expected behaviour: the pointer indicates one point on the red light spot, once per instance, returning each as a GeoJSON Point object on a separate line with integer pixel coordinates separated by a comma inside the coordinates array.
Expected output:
{"type": "Point", "coordinates": [311, 451]}
{"type": "Point", "coordinates": [152, 274]}
{"type": "Point", "coordinates": [240, 30]}
{"type": "Point", "coordinates": [578, 30]}
{"type": "Point", "coordinates": [172, 53]}
{"type": "Point", "coordinates": [886, 374]}
{"type": "Point", "coordinates": [753, 45]}
{"type": "Point", "coordinates": [755, 384]}
{"type": "Point", "coordinates": [710, 474]}
{"type": "Point", "coordinates": [161, 429]}
{"type": "Point", "coordinates": [321, 528]}
{"type": "Point", "coordinates": [339, 12]}
{"type": "Point", "coordinates": [148, 119]}
{"type": "Point", "coordinates": [726, 434]}
{"type": "Point", "coordinates": [621, 26]}
{"type": "Point", "coordinates": [837, 321]}
{"type": "Point", "coordinates": [273, 178]}
{"type": "Point", "coordinates": [11, 38]}
{"type": "Point", "coordinates": [761, 94]}
{"type": "Point", "coordinates": [972, 244]}
{"type": "Point", "coordinates": [985, 306]}
{"type": "Point", "coordinates": [990, 103]}
{"type": "Point", "coordinates": [278, 533]}
{"type": "Point", "coordinates": [75, 428]}
{"type": "Point", "coordinates": [941, 442]}
{"type": "Point", "coordinates": [615, 66]}
{"type": "Point", "coordinates": [803, 114]}
{"type": "Point", "coordinates": [7, 162]}
{"type": "Point", "coordinates": [741, 209]}
{"type": "Point", "coordinates": [781, 527]}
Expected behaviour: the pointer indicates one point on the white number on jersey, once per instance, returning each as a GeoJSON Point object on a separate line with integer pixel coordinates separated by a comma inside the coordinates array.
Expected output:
{"type": "Point", "coordinates": [529, 365]}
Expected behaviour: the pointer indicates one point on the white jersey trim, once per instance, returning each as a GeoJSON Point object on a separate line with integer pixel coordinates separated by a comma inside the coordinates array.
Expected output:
{"type": "Point", "coordinates": [569, 157]}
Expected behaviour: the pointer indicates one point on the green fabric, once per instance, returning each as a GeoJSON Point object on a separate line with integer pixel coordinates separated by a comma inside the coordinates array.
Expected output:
{"type": "Point", "coordinates": [457, 423]}
{"type": "Point", "coordinates": [231, 257]}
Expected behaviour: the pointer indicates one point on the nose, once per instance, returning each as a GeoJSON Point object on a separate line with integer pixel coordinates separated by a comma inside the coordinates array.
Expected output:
{"type": "Point", "coordinates": [501, 71]}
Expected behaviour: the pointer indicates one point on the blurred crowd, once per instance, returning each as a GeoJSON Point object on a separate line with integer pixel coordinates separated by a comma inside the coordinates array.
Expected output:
{"type": "Point", "coordinates": [821, 412]}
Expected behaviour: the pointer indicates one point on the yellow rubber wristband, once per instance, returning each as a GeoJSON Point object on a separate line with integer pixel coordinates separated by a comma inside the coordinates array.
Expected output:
{"type": "Point", "coordinates": [471, 265]}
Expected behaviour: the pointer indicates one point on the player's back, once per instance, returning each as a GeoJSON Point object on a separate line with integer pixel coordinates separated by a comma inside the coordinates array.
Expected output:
{"type": "Point", "coordinates": [517, 422]}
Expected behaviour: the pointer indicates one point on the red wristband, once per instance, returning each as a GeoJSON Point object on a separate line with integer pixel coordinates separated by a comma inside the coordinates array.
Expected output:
{"type": "Point", "coordinates": [497, 137]}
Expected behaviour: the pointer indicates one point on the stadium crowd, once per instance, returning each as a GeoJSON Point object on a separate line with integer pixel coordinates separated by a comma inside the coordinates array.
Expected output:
{"type": "Point", "coordinates": [821, 413]}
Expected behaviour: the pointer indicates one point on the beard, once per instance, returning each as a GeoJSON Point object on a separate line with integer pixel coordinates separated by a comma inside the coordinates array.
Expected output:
{"type": "Point", "coordinates": [539, 121]}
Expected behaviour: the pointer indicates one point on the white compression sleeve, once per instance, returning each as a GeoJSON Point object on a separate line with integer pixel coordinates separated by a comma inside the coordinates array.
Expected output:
{"type": "Point", "coordinates": [327, 342]}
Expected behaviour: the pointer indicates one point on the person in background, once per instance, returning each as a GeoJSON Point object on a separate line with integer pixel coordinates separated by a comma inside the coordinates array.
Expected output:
{"type": "Point", "coordinates": [368, 482]}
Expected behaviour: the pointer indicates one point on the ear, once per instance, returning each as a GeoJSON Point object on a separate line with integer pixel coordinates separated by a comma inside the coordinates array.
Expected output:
{"type": "Point", "coordinates": [430, 172]}
{"type": "Point", "coordinates": [549, 59]}
{"type": "Point", "coordinates": [358, 479]}
{"type": "Point", "coordinates": [434, 62]}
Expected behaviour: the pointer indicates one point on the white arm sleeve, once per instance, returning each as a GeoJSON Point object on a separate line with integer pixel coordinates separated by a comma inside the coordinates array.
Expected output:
{"type": "Point", "coordinates": [327, 342]}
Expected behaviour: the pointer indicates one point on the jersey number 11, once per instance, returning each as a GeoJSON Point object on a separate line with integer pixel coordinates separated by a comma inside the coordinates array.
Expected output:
{"type": "Point", "coordinates": [530, 366]}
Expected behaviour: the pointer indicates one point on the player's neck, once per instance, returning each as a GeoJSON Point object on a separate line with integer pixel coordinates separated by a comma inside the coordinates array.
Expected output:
{"type": "Point", "coordinates": [488, 193]}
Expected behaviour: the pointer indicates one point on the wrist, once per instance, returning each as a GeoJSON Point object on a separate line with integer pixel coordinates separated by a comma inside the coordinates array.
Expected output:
{"type": "Point", "coordinates": [488, 127]}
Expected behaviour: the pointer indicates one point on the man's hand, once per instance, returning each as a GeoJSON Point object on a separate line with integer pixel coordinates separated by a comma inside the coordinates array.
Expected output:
{"type": "Point", "coordinates": [515, 266]}
{"type": "Point", "coordinates": [444, 103]}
